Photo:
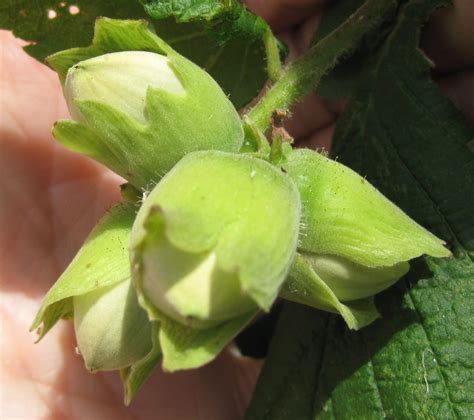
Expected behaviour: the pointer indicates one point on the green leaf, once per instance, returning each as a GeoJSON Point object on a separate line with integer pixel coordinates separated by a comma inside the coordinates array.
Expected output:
{"type": "Point", "coordinates": [343, 80]}
{"type": "Point", "coordinates": [186, 10]}
{"type": "Point", "coordinates": [134, 376]}
{"type": "Point", "coordinates": [225, 38]}
{"type": "Point", "coordinates": [29, 21]}
{"type": "Point", "coordinates": [285, 389]}
{"type": "Point", "coordinates": [102, 261]}
{"type": "Point", "coordinates": [304, 285]}
{"type": "Point", "coordinates": [418, 360]}
{"type": "Point", "coordinates": [188, 348]}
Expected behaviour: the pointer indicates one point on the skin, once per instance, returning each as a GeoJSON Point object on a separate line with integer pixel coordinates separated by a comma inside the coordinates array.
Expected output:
{"type": "Point", "coordinates": [53, 197]}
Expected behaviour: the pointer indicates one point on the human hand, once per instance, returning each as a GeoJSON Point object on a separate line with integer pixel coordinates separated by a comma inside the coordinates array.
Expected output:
{"type": "Point", "coordinates": [51, 200]}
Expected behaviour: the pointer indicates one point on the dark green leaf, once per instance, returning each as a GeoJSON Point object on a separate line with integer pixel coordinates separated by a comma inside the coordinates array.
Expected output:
{"type": "Point", "coordinates": [418, 360]}
{"type": "Point", "coordinates": [342, 81]}
{"type": "Point", "coordinates": [185, 10]}
{"type": "Point", "coordinates": [188, 10]}
{"type": "Point", "coordinates": [237, 65]}
{"type": "Point", "coordinates": [222, 36]}
{"type": "Point", "coordinates": [306, 72]}
{"type": "Point", "coordinates": [223, 18]}
{"type": "Point", "coordinates": [52, 25]}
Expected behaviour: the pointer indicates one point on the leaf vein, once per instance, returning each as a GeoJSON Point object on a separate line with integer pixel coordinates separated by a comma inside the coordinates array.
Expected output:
{"type": "Point", "coordinates": [187, 37]}
{"type": "Point", "coordinates": [424, 190]}
{"type": "Point", "coordinates": [429, 342]}
{"type": "Point", "coordinates": [374, 376]}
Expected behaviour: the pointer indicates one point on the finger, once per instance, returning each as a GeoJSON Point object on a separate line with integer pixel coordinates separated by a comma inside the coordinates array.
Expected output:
{"type": "Point", "coordinates": [320, 139]}
{"type": "Point", "coordinates": [309, 116]}
{"type": "Point", "coordinates": [219, 390]}
{"type": "Point", "coordinates": [283, 14]}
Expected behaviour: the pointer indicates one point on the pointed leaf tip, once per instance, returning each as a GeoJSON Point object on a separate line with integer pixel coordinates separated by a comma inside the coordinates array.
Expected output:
{"type": "Point", "coordinates": [345, 215]}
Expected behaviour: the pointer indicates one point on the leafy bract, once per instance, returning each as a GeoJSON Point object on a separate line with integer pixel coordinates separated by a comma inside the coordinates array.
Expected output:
{"type": "Point", "coordinates": [112, 330]}
{"type": "Point", "coordinates": [344, 215]}
{"type": "Point", "coordinates": [200, 117]}
{"type": "Point", "coordinates": [304, 285]}
{"type": "Point", "coordinates": [238, 212]}
{"type": "Point", "coordinates": [211, 245]}
{"type": "Point", "coordinates": [134, 376]}
{"type": "Point", "coordinates": [188, 348]}
{"type": "Point", "coordinates": [110, 35]}
{"type": "Point", "coordinates": [351, 281]}
{"type": "Point", "coordinates": [101, 262]}
{"type": "Point", "coordinates": [417, 361]}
